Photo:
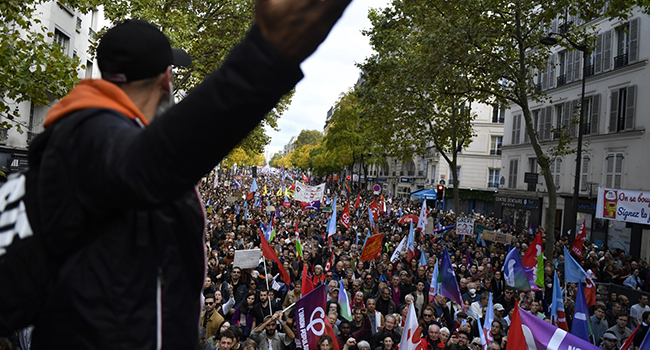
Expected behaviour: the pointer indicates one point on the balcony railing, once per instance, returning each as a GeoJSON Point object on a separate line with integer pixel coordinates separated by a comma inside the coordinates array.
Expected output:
{"type": "Point", "coordinates": [620, 61]}
{"type": "Point", "coordinates": [538, 88]}
{"type": "Point", "coordinates": [411, 173]}
{"type": "Point", "coordinates": [590, 70]}
{"type": "Point", "coordinates": [561, 80]}
{"type": "Point", "coordinates": [493, 185]}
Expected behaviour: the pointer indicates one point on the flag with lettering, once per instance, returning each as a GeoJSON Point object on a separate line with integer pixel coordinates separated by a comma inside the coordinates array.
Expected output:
{"type": "Point", "coordinates": [578, 243]}
{"type": "Point", "coordinates": [311, 319]}
{"type": "Point", "coordinates": [545, 336]}
{"type": "Point", "coordinates": [372, 247]}
{"type": "Point", "coordinates": [345, 216]}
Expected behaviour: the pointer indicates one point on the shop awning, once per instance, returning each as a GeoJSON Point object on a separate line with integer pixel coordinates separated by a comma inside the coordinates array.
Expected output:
{"type": "Point", "coordinates": [421, 194]}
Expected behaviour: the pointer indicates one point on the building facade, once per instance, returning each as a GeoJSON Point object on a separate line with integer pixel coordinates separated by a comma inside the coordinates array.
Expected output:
{"type": "Point", "coordinates": [74, 32]}
{"type": "Point", "coordinates": [614, 142]}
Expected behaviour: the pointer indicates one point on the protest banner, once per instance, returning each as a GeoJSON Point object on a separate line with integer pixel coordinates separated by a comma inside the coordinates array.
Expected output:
{"type": "Point", "coordinates": [372, 249]}
{"type": "Point", "coordinates": [246, 259]}
{"type": "Point", "coordinates": [496, 237]}
{"type": "Point", "coordinates": [311, 320]}
{"type": "Point", "coordinates": [623, 205]}
{"type": "Point", "coordinates": [306, 193]}
{"type": "Point", "coordinates": [465, 226]}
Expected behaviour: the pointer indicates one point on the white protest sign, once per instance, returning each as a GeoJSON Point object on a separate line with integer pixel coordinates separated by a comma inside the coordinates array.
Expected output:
{"type": "Point", "coordinates": [247, 259]}
{"type": "Point", "coordinates": [306, 193]}
{"type": "Point", "coordinates": [464, 226]}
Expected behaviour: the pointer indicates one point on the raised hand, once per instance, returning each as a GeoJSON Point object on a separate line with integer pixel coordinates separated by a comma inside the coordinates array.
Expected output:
{"type": "Point", "coordinates": [297, 27]}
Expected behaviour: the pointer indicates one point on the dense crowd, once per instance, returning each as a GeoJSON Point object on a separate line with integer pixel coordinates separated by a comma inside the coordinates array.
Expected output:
{"type": "Point", "coordinates": [244, 307]}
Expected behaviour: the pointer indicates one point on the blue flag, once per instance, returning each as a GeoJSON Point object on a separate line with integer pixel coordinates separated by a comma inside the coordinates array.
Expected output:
{"type": "Point", "coordinates": [449, 285]}
{"type": "Point", "coordinates": [514, 272]}
{"type": "Point", "coordinates": [423, 259]}
{"type": "Point", "coordinates": [253, 186]}
{"type": "Point", "coordinates": [580, 326]}
{"type": "Point", "coordinates": [331, 225]}
{"type": "Point", "coordinates": [573, 272]}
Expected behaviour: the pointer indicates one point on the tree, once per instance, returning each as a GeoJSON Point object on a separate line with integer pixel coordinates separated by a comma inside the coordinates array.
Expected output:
{"type": "Point", "coordinates": [413, 103]}
{"type": "Point", "coordinates": [350, 138]}
{"type": "Point", "coordinates": [31, 68]}
{"type": "Point", "coordinates": [274, 159]}
{"type": "Point", "coordinates": [308, 137]}
{"type": "Point", "coordinates": [495, 43]}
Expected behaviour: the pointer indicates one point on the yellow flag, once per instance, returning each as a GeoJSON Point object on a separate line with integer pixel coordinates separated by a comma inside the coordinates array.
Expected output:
{"type": "Point", "coordinates": [265, 192]}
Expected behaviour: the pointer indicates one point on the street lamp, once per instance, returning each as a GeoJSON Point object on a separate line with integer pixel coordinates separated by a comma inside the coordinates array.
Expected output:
{"type": "Point", "coordinates": [550, 40]}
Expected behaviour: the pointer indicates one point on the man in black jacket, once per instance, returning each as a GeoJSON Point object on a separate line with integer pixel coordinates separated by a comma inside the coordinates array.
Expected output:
{"type": "Point", "coordinates": [121, 210]}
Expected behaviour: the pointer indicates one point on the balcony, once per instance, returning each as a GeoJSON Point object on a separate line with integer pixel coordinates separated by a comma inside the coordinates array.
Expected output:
{"type": "Point", "coordinates": [411, 173]}
{"type": "Point", "coordinates": [538, 88]}
{"type": "Point", "coordinates": [620, 61]}
{"type": "Point", "coordinates": [590, 70]}
{"type": "Point", "coordinates": [561, 80]}
{"type": "Point", "coordinates": [493, 185]}
{"type": "Point", "coordinates": [422, 173]}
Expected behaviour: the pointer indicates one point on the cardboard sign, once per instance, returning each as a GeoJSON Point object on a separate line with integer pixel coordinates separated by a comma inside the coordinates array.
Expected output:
{"type": "Point", "coordinates": [270, 209]}
{"type": "Point", "coordinates": [497, 237]}
{"type": "Point", "coordinates": [306, 193]}
{"type": "Point", "coordinates": [246, 259]}
{"type": "Point", "coordinates": [465, 226]}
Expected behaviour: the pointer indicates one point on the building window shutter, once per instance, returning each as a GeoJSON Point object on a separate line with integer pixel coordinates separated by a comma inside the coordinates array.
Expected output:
{"type": "Point", "coordinates": [607, 51]}
{"type": "Point", "coordinates": [595, 110]}
{"type": "Point", "coordinates": [548, 127]}
{"type": "Point", "coordinates": [613, 112]}
{"type": "Point", "coordinates": [598, 60]}
{"type": "Point", "coordinates": [566, 118]}
{"type": "Point", "coordinates": [577, 65]}
{"type": "Point", "coordinates": [630, 107]}
{"type": "Point", "coordinates": [584, 174]}
{"type": "Point", "coordinates": [634, 41]}
{"type": "Point", "coordinates": [551, 75]}
{"type": "Point", "coordinates": [512, 175]}
{"type": "Point", "coordinates": [569, 66]}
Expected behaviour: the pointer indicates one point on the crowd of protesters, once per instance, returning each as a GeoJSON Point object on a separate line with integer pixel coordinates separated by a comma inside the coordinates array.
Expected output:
{"type": "Point", "coordinates": [244, 307]}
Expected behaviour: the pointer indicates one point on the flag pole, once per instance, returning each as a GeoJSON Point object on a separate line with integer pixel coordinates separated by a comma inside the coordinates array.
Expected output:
{"type": "Point", "coordinates": [266, 279]}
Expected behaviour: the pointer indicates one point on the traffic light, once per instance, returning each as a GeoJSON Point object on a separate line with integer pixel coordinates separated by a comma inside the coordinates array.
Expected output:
{"type": "Point", "coordinates": [441, 192]}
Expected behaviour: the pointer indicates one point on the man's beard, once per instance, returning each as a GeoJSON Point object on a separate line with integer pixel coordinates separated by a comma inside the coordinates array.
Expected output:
{"type": "Point", "coordinates": [270, 332]}
{"type": "Point", "coordinates": [166, 102]}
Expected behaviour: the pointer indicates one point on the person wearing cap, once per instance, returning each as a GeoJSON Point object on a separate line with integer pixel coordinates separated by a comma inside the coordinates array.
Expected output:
{"type": "Point", "coordinates": [119, 170]}
{"type": "Point", "coordinates": [609, 341]}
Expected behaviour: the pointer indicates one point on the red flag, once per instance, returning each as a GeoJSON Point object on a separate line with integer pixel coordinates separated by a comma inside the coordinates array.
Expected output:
{"type": "Point", "coordinates": [372, 248]}
{"type": "Point", "coordinates": [630, 340]}
{"type": "Point", "coordinates": [328, 266]}
{"type": "Point", "coordinates": [356, 204]}
{"type": "Point", "coordinates": [270, 254]}
{"type": "Point", "coordinates": [250, 195]}
{"type": "Point", "coordinates": [578, 242]}
{"type": "Point", "coordinates": [590, 292]}
{"type": "Point", "coordinates": [307, 286]}
{"type": "Point", "coordinates": [374, 208]}
{"type": "Point", "coordinates": [305, 178]}
{"type": "Point", "coordinates": [516, 339]}
{"type": "Point", "coordinates": [535, 249]}
{"type": "Point", "coordinates": [345, 216]}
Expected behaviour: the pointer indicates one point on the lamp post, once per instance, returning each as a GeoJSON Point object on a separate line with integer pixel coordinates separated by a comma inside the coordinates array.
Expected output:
{"type": "Point", "coordinates": [550, 40]}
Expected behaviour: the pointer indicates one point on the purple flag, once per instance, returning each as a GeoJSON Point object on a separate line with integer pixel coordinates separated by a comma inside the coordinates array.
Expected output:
{"type": "Point", "coordinates": [449, 285]}
{"type": "Point", "coordinates": [469, 259]}
{"type": "Point", "coordinates": [311, 319]}
{"type": "Point", "coordinates": [544, 336]}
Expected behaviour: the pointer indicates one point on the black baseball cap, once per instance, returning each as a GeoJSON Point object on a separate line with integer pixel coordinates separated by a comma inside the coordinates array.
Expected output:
{"type": "Point", "coordinates": [135, 50]}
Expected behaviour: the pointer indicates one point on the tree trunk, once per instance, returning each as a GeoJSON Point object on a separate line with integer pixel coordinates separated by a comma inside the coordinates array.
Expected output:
{"type": "Point", "coordinates": [542, 159]}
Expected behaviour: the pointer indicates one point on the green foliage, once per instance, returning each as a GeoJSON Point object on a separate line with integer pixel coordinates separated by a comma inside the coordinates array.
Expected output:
{"type": "Point", "coordinates": [308, 137]}
{"type": "Point", "coordinates": [31, 68]}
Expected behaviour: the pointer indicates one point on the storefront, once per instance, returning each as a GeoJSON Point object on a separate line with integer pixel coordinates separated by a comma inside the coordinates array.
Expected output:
{"type": "Point", "coordinates": [12, 160]}
{"type": "Point", "coordinates": [520, 211]}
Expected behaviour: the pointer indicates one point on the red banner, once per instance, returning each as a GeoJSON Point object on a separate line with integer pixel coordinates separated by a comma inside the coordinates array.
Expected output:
{"type": "Point", "coordinates": [372, 248]}
{"type": "Point", "coordinates": [345, 216]}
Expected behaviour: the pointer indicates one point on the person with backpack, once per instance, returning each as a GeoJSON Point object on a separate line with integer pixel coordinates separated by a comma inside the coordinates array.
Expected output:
{"type": "Point", "coordinates": [114, 182]}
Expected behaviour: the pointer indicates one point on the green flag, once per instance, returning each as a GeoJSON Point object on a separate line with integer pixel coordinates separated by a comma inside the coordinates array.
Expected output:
{"type": "Point", "coordinates": [539, 280]}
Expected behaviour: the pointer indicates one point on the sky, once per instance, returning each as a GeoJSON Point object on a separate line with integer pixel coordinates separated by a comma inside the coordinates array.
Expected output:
{"type": "Point", "coordinates": [329, 72]}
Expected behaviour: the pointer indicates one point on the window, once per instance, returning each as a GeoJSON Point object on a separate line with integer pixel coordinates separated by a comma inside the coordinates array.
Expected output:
{"type": "Point", "coordinates": [78, 29]}
{"type": "Point", "coordinates": [451, 176]}
{"type": "Point", "coordinates": [584, 173]}
{"type": "Point", "coordinates": [546, 123]}
{"type": "Point", "coordinates": [495, 145]}
{"type": "Point", "coordinates": [559, 119]}
{"type": "Point", "coordinates": [498, 113]}
{"type": "Point", "coordinates": [614, 171]}
{"type": "Point", "coordinates": [512, 174]}
{"type": "Point", "coordinates": [548, 76]}
{"type": "Point", "coordinates": [535, 118]}
{"type": "Point", "coordinates": [603, 52]}
{"type": "Point", "coordinates": [592, 108]}
{"type": "Point", "coordinates": [622, 109]}
{"type": "Point", "coordinates": [561, 77]}
{"type": "Point", "coordinates": [89, 69]}
{"type": "Point", "coordinates": [532, 165]}
{"type": "Point", "coordinates": [433, 174]}
{"type": "Point", "coordinates": [626, 37]}
{"type": "Point", "coordinates": [556, 172]}
{"type": "Point", "coordinates": [493, 178]}
{"type": "Point", "coordinates": [63, 40]}
{"type": "Point", "coordinates": [516, 129]}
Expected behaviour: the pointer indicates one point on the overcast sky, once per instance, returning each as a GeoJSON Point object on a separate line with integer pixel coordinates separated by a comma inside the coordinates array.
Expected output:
{"type": "Point", "coordinates": [330, 71]}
